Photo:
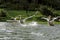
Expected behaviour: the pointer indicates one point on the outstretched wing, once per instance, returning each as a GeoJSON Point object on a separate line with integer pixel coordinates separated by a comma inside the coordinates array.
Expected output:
{"type": "Point", "coordinates": [27, 18]}
{"type": "Point", "coordinates": [45, 18]}
{"type": "Point", "coordinates": [30, 16]}
{"type": "Point", "coordinates": [54, 18]}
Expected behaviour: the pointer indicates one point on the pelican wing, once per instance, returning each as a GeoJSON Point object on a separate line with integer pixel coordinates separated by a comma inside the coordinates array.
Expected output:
{"type": "Point", "coordinates": [30, 16]}
{"type": "Point", "coordinates": [27, 18]}
{"type": "Point", "coordinates": [45, 19]}
{"type": "Point", "coordinates": [54, 18]}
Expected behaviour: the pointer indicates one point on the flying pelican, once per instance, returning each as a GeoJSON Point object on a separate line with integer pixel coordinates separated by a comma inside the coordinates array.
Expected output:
{"type": "Point", "coordinates": [22, 21]}
{"type": "Point", "coordinates": [50, 20]}
{"type": "Point", "coordinates": [29, 17]}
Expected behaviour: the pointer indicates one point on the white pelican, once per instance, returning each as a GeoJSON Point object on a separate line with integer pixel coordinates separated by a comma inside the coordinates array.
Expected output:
{"type": "Point", "coordinates": [21, 21]}
{"type": "Point", "coordinates": [50, 20]}
{"type": "Point", "coordinates": [29, 17]}
{"type": "Point", "coordinates": [59, 19]}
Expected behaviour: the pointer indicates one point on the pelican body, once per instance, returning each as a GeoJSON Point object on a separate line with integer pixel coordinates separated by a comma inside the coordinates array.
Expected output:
{"type": "Point", "coordinates": [50, 20]}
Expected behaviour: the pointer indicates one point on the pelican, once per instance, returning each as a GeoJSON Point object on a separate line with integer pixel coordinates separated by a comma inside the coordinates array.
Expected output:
{"type": "Point", "coordinates": [59, 19]}
{"type": "Point", "coordinates": [24, 20]}
{"type": "Point", "coordinates": [21, 21]}
{"type": "Point", "coordinates": [27, 18]}
{"type": "Point", "coordinates": [50, 20]}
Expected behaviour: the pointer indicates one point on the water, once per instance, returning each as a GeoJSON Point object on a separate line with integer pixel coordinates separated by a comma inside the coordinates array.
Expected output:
{"type": "Point", "coordinates": [31, 31]}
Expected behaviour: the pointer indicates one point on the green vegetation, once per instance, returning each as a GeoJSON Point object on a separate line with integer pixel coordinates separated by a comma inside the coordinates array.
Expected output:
{"type": "Point", "coordinates": [26, 8]}
{"type": "Point", "coordinates": [14, 13]}
{"type": "Point", "coordinates": [19, 12]}
{"type": "Point", "coordinates": [28, 4]}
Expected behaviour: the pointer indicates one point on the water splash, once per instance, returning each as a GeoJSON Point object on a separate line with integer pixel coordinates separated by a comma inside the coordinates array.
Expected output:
{"type": "Point", "coordinates": [33, 23]}
{"type": "Point", "coordinates": [23, 25]}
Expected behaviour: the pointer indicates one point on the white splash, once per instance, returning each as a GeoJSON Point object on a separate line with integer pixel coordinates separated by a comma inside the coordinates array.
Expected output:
{"type": "Point", "coordinates": [33, 24]}
{"type": "Point", "coordinates": [29, 24]}
{"type": "Point", "coordinates": [23, 25]}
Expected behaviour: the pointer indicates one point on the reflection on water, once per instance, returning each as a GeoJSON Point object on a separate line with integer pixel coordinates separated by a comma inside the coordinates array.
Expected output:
{"type": "Point", "coordinates": [15, 31]}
